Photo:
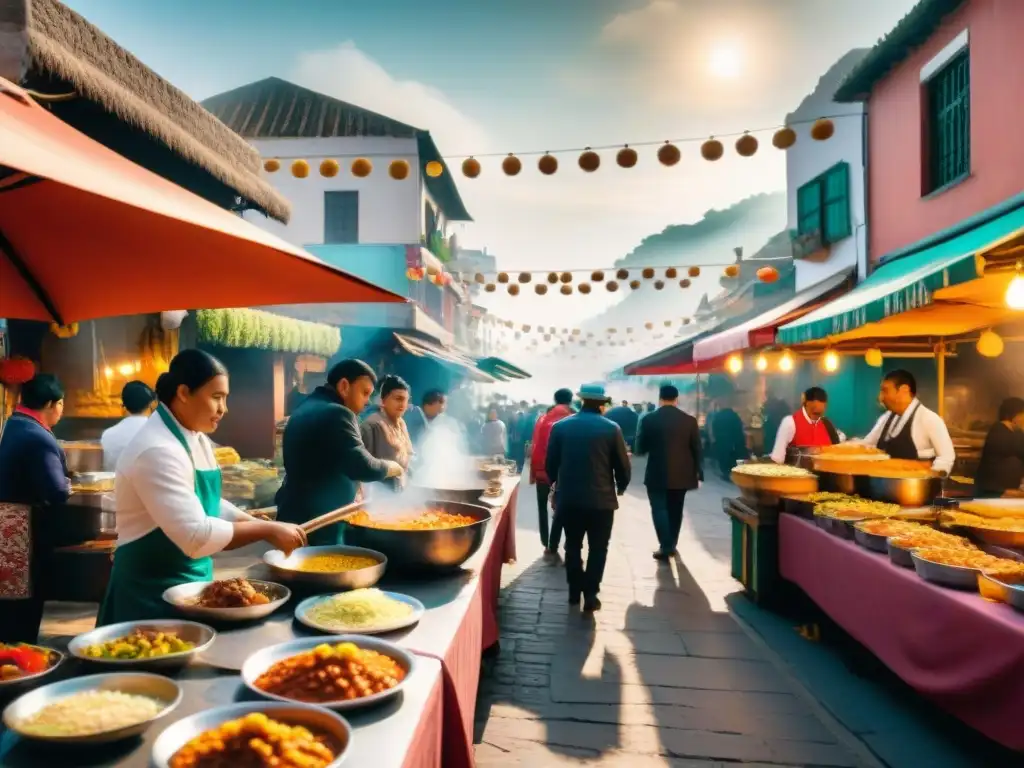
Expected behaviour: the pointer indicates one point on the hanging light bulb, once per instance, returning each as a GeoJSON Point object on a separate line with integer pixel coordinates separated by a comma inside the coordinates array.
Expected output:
{"type": "Point", "coordinates": [734, 364]}
{"type": "Point", "coordinates": [873, 357]}
{"type": "Point", "coordinates": [761, 363]}
{"type": "Point", "coordinates": [990, 344]}
{"type": "Point", "coordinates": [786, 362]}
{"type": "Point", "coordinates": [1015, 291]}
{"type": "Point", "coordinates": [830, 362]}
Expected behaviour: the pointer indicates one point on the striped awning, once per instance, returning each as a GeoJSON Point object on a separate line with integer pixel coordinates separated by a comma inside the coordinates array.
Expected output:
{"type": "Point", "coordinates": [446, 357]}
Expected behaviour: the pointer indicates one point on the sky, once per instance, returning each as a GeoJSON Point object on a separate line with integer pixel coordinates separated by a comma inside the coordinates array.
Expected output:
{"type": "Point", "coordinates": [518, 76]}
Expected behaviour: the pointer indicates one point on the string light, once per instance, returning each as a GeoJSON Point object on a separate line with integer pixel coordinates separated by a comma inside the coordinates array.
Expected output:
{"type": "Point", "coordinates": [761, 364]}
{"type": "Point", "coordinates": [831, 361]}
{"type": "Point", "coordinates": [1015, 290]}
{"type": "Point", "coordinates": [734, 364]}
{"type": "Point", "coordinates": [786, 362]}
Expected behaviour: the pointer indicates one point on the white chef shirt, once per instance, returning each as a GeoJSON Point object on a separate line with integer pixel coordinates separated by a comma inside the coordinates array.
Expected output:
{"type": "Point", "coordinates": [155, 488]}
{"type": "Point", "coordinates": [786, 433]}
{"type": "Point", "coordinates": [929, 433]}
{"type": "Point", "coordinates": [116, 439]}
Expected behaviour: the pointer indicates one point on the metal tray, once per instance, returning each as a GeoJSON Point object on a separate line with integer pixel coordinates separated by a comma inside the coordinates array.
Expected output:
{"type": "Point", "coordinates": [872, 541]}
{"type": "Point", "coordinates": [841, 528]}
{"type": "Point", "coordinates": [799, 506]}
{"type": "Point", "coordinates": [946, 575]}
{"type": "Point", "coordinates": [899, 556]}
{"type": "Point", "coordinates": [286, 567]}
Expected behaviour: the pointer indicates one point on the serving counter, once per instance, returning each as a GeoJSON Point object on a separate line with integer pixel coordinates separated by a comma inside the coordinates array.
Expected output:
{"type": "Point", "coordinates": [428, 726]}
{"type": "Point", "coordinates": [958, 649]}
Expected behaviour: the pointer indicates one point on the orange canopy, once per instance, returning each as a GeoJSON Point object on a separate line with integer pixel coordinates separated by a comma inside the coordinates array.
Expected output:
{"type": "Point", "coordinates": [85, 233]}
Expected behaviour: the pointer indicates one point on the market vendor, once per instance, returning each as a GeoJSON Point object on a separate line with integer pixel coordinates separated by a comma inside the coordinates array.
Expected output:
{"type": "Point", "coordinates": [909, 430]}
{"type": "Point", "coordinates": [138, 400]}
{"type": "Point", "coordinates": [420, 419]}
{"type": "Point", "coordinates": [384, 433]}
{"type": "Point", "coordinates": [807, 428]}
{"type": "Point", "coordinates": [1001, 468]}
{"type": "Point", "coordinates": [170, 515]}
{"type": "Point", "coordinates": [325, 459]}
{"type": "Point", "coordinates": [33, 476]}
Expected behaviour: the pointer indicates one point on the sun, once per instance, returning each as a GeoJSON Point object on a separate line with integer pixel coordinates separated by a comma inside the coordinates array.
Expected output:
{"type": "Point", "coordinates": [726, 61]}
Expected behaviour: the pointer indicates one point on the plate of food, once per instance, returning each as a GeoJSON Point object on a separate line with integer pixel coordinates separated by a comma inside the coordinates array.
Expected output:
{"type": "Point", "coordinates": [228, 600]}
{"type": "Point", "coordinates": [956, 568]}
{"type": "Point", "coordinates": [255, 734]}
{"type": "Point", "coordinates": [360, 612]}
{"type": "Point", "coordinates": [341, 672]}
{"type": "Point", "coordinates": [96, 709]}
{"type": "Point", "coordinates": [157, 643]}
{"type": "Point", "coordinates": [22, 664]}
{"type": "Point", "coordinates": [338, 566]}
{"type": "Point", "coordinates": [901, 545]}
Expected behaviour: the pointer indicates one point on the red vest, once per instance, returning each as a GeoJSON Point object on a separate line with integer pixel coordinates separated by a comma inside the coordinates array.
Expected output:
{"type": "Point", "coordinates": [809, 435]}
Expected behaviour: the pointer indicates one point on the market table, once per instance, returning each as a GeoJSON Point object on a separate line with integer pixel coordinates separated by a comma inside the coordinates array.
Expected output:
{"type": "Point", "coordinates": [958, 649]}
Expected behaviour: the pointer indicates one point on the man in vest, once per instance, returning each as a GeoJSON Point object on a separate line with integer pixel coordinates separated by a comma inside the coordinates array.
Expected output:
{"type": "Point", "coordinates": [807, 428]}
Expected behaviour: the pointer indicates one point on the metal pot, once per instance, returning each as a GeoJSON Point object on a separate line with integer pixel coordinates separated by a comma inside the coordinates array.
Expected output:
{"type": "Point", "coordinates": [905, 491]}
{"type": "Point", "coordinates": [833, 482]}
{"type": "Point", "coordinates": [83, 456]}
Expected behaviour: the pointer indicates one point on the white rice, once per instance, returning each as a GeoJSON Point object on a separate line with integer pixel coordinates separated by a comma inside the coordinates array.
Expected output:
{"type": "Point", "coordinates": [91, 712]}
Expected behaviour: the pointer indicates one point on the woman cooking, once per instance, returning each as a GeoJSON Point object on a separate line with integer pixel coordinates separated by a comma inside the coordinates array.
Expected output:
{"type": "Point", "coordinates": [384, 433]}
{"type": "Point", "coordinates": [1002, 459]}
{"type": "Point", "coordinates": [170, 515]}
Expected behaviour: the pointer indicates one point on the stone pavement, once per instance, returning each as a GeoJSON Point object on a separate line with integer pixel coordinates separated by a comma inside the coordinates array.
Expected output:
{"type": "Point", "coordinates": [662, 676]}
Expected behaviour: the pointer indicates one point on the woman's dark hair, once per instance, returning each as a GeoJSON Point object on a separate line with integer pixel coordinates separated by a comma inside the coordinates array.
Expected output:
{"type": "Point", "coordinates": [41, 390]}
{"type": "Point", "coordinates": [433, 396]}
{"type": "Point", "coordinates": [137, 397]}
{"type": "Point", "coordinates": [1010, 407]}
{"type": "Point", "coordinates": [191, 368]}
{"type": "Point", "coordinates": [901, 378]}
{"type": "Point", "coordinates": [392, 384]}
{"type": "Point", "coordinates": [350, 370]}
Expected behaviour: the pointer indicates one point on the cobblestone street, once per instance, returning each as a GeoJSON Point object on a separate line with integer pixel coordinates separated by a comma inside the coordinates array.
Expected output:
{"type": "Point", "coordinates": [662, 676]}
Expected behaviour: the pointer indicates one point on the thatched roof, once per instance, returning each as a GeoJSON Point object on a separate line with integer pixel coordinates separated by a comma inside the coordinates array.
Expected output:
{"type": "Point", "coordinates": [277, 109]}
{"type": "Point", "coordinates": [65, 46]}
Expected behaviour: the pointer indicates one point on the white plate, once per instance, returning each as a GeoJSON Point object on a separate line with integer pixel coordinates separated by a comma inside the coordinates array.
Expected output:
{"type": "Point", "coordinates": [418, 609]}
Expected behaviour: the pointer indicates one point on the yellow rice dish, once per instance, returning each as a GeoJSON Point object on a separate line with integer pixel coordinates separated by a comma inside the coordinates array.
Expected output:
{"type": "Point", "coordinates": [335, 563]}
{"type": "Point", "coordinates": [359, 609]}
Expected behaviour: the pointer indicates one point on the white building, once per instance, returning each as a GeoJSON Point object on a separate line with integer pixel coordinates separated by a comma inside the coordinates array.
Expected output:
{"type": "Point", "coordinates": [825, 183]}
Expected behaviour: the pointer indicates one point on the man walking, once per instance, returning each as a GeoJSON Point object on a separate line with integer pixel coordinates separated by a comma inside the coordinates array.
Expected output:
{"type": "Point", "coordinates": [670, 438]}
{"type": "Point", "coordinates": [588, 463]}
{"type": "Point", "coordinates": [627, 419]}
{"type": "Point", "coordinates": [539, 475]}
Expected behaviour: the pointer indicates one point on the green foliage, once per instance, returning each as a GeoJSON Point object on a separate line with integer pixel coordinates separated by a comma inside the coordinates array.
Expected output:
{"type": "Point", "coordinates": [438, 246]}
{"type": "Point", "coordinates": [255, 329]}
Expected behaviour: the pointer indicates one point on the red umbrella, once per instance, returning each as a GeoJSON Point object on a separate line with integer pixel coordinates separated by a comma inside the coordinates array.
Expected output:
{"type": "Point", "coordinates": [85, 233]}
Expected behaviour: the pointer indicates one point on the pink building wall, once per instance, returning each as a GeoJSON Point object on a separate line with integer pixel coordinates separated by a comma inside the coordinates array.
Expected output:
{"type": "Point", "coordinates": [898, 214]}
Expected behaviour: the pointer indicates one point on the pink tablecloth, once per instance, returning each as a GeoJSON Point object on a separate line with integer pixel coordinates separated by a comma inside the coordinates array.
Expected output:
{"type": "Point", "coordinates": [425, 750]}
{"type": "Point", "coordinates": [963, 652]}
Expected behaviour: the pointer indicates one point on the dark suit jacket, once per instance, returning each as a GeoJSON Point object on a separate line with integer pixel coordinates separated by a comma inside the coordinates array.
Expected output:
{"type": "Point", "coordinates": [670, 438]}
{"type": "Point", "coordinates": [587, 461]}
{"type": "Point", "coordinates": [33, 469]}
{"type": "Point", "coordinates": [324, 462]}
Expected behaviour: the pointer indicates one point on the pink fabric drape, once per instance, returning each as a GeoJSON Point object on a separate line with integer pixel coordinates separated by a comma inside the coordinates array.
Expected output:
{"type": "Point", "coordinates": [425, 749]}
{"type": "Point", "coordinates": [960, 650]}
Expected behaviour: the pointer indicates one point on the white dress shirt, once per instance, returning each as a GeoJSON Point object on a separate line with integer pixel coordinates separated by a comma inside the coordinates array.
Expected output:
{"type": "Point", "coordinates": [929, 433]}
{"type": "Point", "coordinates": [786, 433]}
{"type": "Point", "coordinates": [155, 488]}
{"type": "Point", "coordinates": [116, 439]}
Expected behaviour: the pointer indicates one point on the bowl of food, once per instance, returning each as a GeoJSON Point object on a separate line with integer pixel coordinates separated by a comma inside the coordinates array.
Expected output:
{"type": "Point", "coordinates": [439, 536]}
{"type": "Point", "coordinates": [902, 545]}
{"type": "Point", "coordinates": [956, 568]}
{"type": "Point", "coordinates": [359, 612]}
{"type": "Point", "coordinates": [228, 600]}
{"type": "Point", "coordinates": [765, 482]}
{"type": "Point", "coordinates": [96, 709]}
{"type": "Point", "coordinates": [874, 534]}
{"type": "Point", "coordinates": [157, 643]}
{"type": "Point", "coordinates": [337, 566]}
{"type": "Point", "coordinates": [255, 733]}
{"type": "Point", "coordinates": [341, 672]}
{"type": "Point", "coordinates": [22, 665]}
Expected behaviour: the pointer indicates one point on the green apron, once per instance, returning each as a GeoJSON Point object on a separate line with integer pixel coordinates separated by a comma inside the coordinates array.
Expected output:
{"type": "Point", "coordinates": [144, 568]}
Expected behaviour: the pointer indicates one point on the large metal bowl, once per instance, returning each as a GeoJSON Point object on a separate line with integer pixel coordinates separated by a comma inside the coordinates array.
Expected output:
{"type": "Point", "coordinates": [286, 567]}
{"type": "Point", "coordinates": [905, 491]}
{"type": "Point", "coordinates": [263, 660]}
{"type": "Point", "coordinates": [873, 541]}
{"type": "Point", "coordinates": [184, 596]}
{"type": "Point", "coordinates": [434, 550]}
{"type": "Point", "coordinates": [953, 576]}
{"type": "Point", "coordinates": [900, 556]}
{"type": "Point", "coordinates": [321, 722]}
{"type": "Point", "coordinates": [56, 658]}
{"type": "Point", "coordinates": [200, 635]}
{"type": "Point", "coordinates": [137, 683]}
{"type": "Point", "coordinates": [834, 482]}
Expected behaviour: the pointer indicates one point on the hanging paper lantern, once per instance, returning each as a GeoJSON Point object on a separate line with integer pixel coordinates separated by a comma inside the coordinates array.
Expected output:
{"type": "Point", "coordinates": [784, 138]}
{"type": "Point", "coordinates": [490, 287]}
{"type": "Point", "coordinates": [712, 149]}
{"type": "Point", "coordinates": [611, 330]}
{"type": "Point", "coordinates": [590, 161]}
{"type": "Point", "coordinates": [300, 169]}
{"type": "Point", "coordinates": [398, 169]}
{"type": "Point", "coordinates": [503, 277]}
{"type": "Point", "coordinates": [767, 274]}
{"type": "Point", "coordinates": [566, 289]}
{"type": "Point", "coordinates": [600, 343]}
{"type": "Point", "coordinates": [479, 279]}
{"type": "Point", "coordinates": [547, 337]}
{"type": "Point", "coordinates": [548, 165]}
{"type": "Point", "coordinates": [513, 290]}
{"type": "Point", "coordinates": [667, 323]}
{"type": "Point", "coordinates": [686, 321]}
{"type": "Point", "coordinates": [583, 288]}
{"type": "Point", "coordinates": [658, 285]}
{"type": "Point", "coordinates": [434, 169]}
{"type": "Point", "coordinates": [597, 276]}
{"type": "Point", "coordinates": [622, 274]}
{"type": "Point", "coordinates": [525, 277]}
{"type": "Point", "coordinates": [64, 331]}
{"type": "Point", "coordinates": [823, 129]}
{"type": "Point", "coordinates": [540, 289]}
{"type": "Point", "coordinates": [647, 273]}
{"type": "Point", "coordinates": [626, 158]}
{"type": "Point", "coordinates": [575, 331]}
{"type": "Point", "coordinates": [733, 270]}
{"type": "Point", "coordinates": [511, 165]}
{"type": "Point", "coordinates": [273, 165]}
{"type": "Point", "coordinates": [684, 283]}
{"type": "Point", "coordinates": [414, 273]}
{"type": "Point", "coordinates": [990, 344]}
{"type": "Point", "coordinates": [670, 273]}
{"type": "Point", "coordinates": [649, 326]}
{"type": "Point", "coordinates": [518, 335]}
{"type": "Point", "coordinates": [693, 271]}
{"type": "Point", "coordinates": [634, 284]}
{"type": "Point", "coordinates": [612, 286]}
{"type": "Point", "coordinates": [15, 371]}
{"type": "Point", "coordinates": [361, 167]}
{"type": "Point", "coordinates": [668, 154]}
{"type": "Point", "coordinates": [470, 167]}
{"type": "Point", "coordinates": [746, 145]}
{"type": "Point", "coordinates": [526, 328]}
{"type": "Point", "coordinates": [329, 168]}
{"type": "Point", "coordinates": [565, 277]}
{"type": "Point", "coordinates": [873, 357]}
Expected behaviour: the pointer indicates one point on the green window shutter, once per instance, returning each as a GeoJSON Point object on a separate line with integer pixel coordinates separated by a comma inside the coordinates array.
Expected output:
{"type": "Point", "coordinates": [836, 182]}
{"type": "Point", "coordinates": [949, 122]}
{"type": "Point", "coordinates": [808, 207]}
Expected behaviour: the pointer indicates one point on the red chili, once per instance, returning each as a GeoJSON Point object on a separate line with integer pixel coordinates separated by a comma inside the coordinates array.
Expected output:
{"type": "Point", "coordinates": [26, 659]}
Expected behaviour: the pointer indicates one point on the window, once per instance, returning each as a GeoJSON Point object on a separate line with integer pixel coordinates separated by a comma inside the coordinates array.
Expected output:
{"type": "Point", "coordinates": [341, 217]}
{"type": "Point", "coordinates": [823, 205]}
{"type": "Point", "coordinates": [948, 132]}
